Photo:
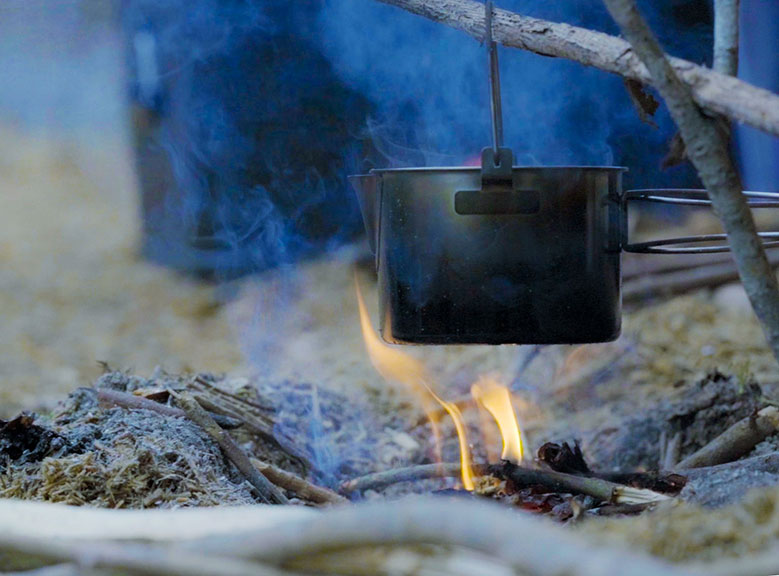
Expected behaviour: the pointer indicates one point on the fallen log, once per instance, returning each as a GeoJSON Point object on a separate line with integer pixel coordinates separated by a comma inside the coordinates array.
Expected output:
{"type": "Point", "coordinates": [716, 93]}
{"type": "Point", "coordinates": [685, 280]}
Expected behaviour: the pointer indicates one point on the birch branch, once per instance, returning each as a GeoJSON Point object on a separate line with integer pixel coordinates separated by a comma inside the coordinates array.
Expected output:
{"type": "Point", "coordinates": [716, 93]}
{"type": "Point", "coordinates": [707, 148]}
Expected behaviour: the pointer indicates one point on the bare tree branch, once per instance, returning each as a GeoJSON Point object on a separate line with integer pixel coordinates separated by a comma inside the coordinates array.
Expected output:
{"type": "Point", "coordinates": [715, 93]}
{"type": "Point", "coordinates": [707, 148]}
{"type": "Point", "coordinates": [726, 36]}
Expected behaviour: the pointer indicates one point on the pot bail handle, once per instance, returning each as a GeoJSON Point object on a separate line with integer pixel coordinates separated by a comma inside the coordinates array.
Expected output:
{"type": "Point", "coordinates": [688, 197]}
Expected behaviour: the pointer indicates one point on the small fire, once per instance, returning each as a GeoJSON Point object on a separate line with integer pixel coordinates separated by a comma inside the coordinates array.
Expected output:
{"type": "Point", "coordinates": [496, 399]}
{"type": "Point", "coordinates": [398, 366]}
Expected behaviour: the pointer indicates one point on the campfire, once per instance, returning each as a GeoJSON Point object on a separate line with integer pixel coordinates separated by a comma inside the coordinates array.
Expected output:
{"type": "Point", "coordinates": [518, 368]}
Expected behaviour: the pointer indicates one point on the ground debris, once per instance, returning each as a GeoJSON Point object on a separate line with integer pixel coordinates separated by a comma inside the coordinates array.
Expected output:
{"type": "Point", "coordinates": [685, 531]}
{"type": "Point", "coordinates": [124, 459]}
{"type": "Point", "coordinates": [702, 411]}
{"type": "Point", "coordinates": [22, 441]}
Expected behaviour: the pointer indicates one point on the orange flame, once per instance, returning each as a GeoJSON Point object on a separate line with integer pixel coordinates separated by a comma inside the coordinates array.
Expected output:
{"type": "Point", "coordinates": [397, 366]}
{"type": "Point", "coordinates": [496, 399]}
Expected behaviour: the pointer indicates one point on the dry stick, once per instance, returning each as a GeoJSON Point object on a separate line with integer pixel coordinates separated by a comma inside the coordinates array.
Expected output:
{"type": "Point", "coordinates": [109, 397]}
{"type": "Point", "coordinates": [707, 148]}
{"type": "Point", "coordinates": [519, 475]}
{"type": "Point", "coordinates": [267, 490]}
{"type": "Point", "coordinates": [380, 480]}
{"type": "Point", "coordinates": [736, 441]}
{"type": "Point", "coordinates": [300, 486]}
{"type": "Point", "coordinates": [522, 541]}
{"type": "Point", "coordinates": [714, 92]}
{"type": "Point", "coordinates": [253, 416]}
{"type": "Point", "coordinates": [709, 276]}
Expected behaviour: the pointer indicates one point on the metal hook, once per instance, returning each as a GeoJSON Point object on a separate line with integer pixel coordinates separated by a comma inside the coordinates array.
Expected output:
{"type": "Point", "coordinates": [494, 72]}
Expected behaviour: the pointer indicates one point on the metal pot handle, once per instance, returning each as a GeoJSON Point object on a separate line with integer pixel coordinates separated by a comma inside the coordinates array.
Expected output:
{"type": "Point", "coordinates": [685, 197]}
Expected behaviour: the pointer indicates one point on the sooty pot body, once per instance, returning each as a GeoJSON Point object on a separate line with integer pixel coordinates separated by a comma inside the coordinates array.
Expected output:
{"type": "Point", "coordinates": [534, 262]}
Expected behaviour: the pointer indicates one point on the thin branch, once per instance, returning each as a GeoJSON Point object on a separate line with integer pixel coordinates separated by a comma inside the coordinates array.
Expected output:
{"type": "Point", "coordinates": [381, 480]}
{"type": "Point", "coordinates": [266, 489]}
{"type": "Point", "coordinates": [707, 148]}
{"type": "Point", "coordinates": [726, 36]}
{"type": "Point", "coordinates": [736, 441]}
{"type": "Point", "coordinates": [108, 397]}
{"type": "Point", "coordinates": [592, 486]}
{"type": "Point", "coordinates": [716, 93]}
{"type": "Point", "coordinates": [519, 475]}
{"type": "Point", "coordinates": [300, 486]}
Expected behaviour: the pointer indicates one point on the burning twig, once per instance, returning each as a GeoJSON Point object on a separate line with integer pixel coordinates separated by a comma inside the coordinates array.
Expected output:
{"type": "Point", "coordinates": [716, 93]}
{"type": "Point", "coordinates": [736, 441]}
{"type": "Point", "coordinates": [707, 148]}
{"type": "Point", "coordinates": [563, 458]}
{"type": "Point", "coordinates": [520, 476]}
{"type": "Point", "coordinates": [604, 490]}
{"type": "Point", "coordinates": [109, 397]}
{"type": "Point", "coordinates": [267, 490]}
{"type": "Point", "coordinates": [300, 486]}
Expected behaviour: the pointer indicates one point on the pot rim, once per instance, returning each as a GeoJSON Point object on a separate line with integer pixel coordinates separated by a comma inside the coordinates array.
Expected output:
{"type": "Point", "coordinates": [424, 169]}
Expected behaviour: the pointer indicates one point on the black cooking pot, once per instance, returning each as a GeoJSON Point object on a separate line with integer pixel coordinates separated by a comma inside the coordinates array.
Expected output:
{"type": "Point", "coordinates": [502, 254]}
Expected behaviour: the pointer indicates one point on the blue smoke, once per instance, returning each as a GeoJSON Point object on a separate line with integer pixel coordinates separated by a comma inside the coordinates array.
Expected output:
{"type": "Point", "coordinates": [430, 86]}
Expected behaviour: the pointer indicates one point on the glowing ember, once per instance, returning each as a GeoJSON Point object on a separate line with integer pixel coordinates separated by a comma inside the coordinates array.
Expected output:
{"type": "Point", "coordinates": [397, 366]}
{"type": "Point", "coordinates": [496, 399]}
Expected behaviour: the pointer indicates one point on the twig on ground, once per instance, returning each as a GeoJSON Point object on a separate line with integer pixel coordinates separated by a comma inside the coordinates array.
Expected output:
{"type": "Point", "coordinates": [267, 491]}
{"type": "Point", "coordinates": [109, 397]}
{"type": "Point", "coordinates": [592, 486]}
{"type": "Point", "coordinates": [380, 480]}
{"type": "Point", "coordinates": [736, 441]}
{"type": "Point", "coordinates": [255, 417]}
{"type": "Point", "coordinates": [300, 486]}
{"type": "Point", "coordinates": [685, 280]}
{"type": "Point", "coordinates": [519, 475]}
{"type": "Point", "coordinates": [563, 458]}
{"type": "Point", "coordinates": [716, 93]}
{"type": "Point", "coordinates": [707, 148]}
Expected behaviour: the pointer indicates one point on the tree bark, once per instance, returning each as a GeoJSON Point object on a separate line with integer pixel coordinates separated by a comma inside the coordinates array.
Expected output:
{"type": "Point", "coordinates": [707, 148]}
{"type": "Point", "coordinates": [716, 93]}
